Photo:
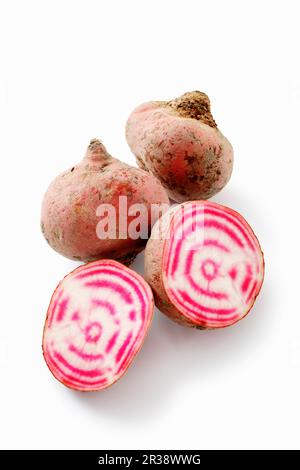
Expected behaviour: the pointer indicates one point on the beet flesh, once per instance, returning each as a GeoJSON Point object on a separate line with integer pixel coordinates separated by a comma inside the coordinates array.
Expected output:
{"type": "Point", "coordinates": [96, 323]}
{"type": "Point", "coordinates": [204, 264]}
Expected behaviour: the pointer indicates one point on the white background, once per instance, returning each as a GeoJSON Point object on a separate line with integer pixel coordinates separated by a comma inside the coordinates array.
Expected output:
{"type": "Point", "coordinates": [73, 70]}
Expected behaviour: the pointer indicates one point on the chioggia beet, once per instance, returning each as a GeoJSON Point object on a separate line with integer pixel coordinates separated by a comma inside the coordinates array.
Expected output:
{"type": "Point", "coordinates": [204, 264]}
{"type": "Point", "coordinates": [70, 207]}
{"type": "Point", "coordinates": [179, 142]}
{"type": "Point", "coordinates": [96, 323]}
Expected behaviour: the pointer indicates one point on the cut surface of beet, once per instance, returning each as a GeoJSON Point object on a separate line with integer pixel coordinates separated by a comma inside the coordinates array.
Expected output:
{"type": "Point", "coordinates": [212, 264]}
{"type": "Point", "coordinates": [96, 322]}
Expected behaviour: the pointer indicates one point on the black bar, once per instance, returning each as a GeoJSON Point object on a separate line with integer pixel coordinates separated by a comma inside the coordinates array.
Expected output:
{"type": "Point", "coordinates": [145, 458]}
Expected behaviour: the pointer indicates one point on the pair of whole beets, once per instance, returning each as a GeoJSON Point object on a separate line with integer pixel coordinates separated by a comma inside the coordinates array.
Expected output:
{"type": "Point", "coordinates": [202, 260]}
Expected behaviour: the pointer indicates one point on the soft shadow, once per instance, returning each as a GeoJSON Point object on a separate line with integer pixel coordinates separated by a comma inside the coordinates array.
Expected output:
{"type": "Point", "coordinates": [242, 202]}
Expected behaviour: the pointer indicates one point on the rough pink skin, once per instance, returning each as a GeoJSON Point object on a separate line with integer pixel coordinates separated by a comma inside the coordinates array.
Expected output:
{"type": "Point", "coordinates": [178, 141]}
{"type": "Point", "coordinates": [69, 219]}
{"type": "Point", "coordinates": [227, 295]}
{"type": "Point", "coordinates": [96, 323]}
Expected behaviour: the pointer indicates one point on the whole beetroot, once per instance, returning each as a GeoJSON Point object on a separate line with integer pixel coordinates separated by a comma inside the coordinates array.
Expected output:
{"type": "Point", "coordinates": [179, 142]}
{"type": "Point", "coordinates": [70, 206]}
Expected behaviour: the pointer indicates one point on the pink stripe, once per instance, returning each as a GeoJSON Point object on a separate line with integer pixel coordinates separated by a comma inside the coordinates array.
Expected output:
{"type": "Point", "coordinates": [104, 304]}
{"type": "Point", "coordinates": [82, 355]}
{"type": "Point", "coordinates": [206, 224]}
{"type": "Point", "coordinates": [189, 262]}
{"type": "Point", "coordinates": [218, 311]}
{"type": "Point", "coordinates": [132, 315]}
{"type": "Point", "coordinates": [233, 273]}
{"type": "Point", "coordinates": [76, 370]}
{"type": "Point", "coordinates": [125, 361]}
{"type": "Point", "coordinates": [123, 347]}
{"type": "Point", "coordinates": [137, 290]}
{"type": "Point", "coordinates": [175, 258]}
{"type": "Point", "coordinates": [125, 277]}
{"type": "Point", "coordinates": [196, 287]}
{"type": "Point", "coordinates": [75, 316]}
{"type": "Point", "coordinates": [234, 222]}
{"type": "Point", "coordinates": [211, 223]}
{"type": "Point", "coordinates": [103, 283]}
{"type": "Point", "coordinates": [194, 216]}
{"type": "Point", "coordinates": [230, 218]}
{"type": "Point", "coordinates": [54, 306]}
{"type": "Point", "coordinates": [252, 291]}
{"type": "Point", "coordinates": [216, 244]}
{"type": "Point", "coordinates": [73, 380]}
{"type": "Point", "coordinates": [111, 342]}
{"type": "Point", "coordinates": [247, 279]}
{"type": "Point", "coordinates": [200, 316]}
{"type": "Point", "coordinates": [205, 292]}
{"type": "Point", "coordinates": [134, 283]}
{"type": "Point", "coordinates": [62, 309]}
{"type": "Point", "coordinates": [91, 272]}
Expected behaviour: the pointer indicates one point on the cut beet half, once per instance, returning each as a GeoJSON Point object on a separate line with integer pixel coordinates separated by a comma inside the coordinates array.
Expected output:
{"type": "Point", "coordinates": [96, 323]}
{"type": "Point", "coordinates": [212, 264]}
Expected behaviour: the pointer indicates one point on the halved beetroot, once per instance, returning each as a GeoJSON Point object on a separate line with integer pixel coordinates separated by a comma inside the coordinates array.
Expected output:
{"type": "Point", "coordinates": [204, 264]}
{"type": "Point", "coordinates": [96, 323]}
